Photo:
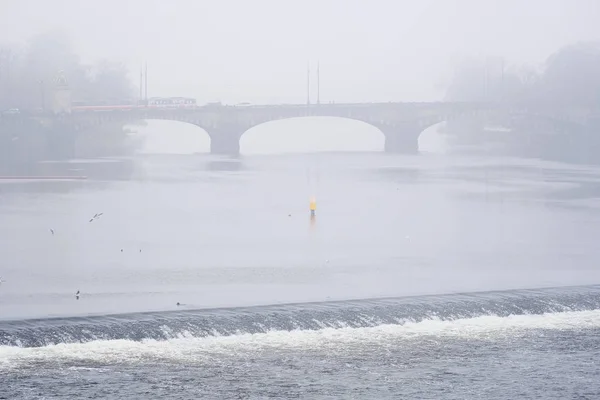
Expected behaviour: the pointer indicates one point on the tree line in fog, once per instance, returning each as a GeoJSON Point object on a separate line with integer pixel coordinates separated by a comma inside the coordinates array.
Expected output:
{"type": "Point", "coordinates": [28, 74]}
{"type": "Point", "coordinates": [569, 77]}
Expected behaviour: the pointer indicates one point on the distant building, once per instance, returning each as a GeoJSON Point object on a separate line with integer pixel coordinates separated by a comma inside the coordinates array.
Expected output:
{"type": "Point", "coordinates": [61, 103]}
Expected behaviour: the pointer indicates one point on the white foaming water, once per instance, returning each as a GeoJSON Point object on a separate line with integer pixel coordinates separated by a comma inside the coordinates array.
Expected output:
{"type": "Point", "coordinates": [190, 349]}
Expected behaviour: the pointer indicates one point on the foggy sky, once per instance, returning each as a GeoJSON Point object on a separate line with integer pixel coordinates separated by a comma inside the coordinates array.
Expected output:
{"type": "Point", "coordinates": [257, 51]}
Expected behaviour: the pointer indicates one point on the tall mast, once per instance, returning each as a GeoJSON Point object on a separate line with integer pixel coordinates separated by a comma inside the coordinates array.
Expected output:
{"type": "Point", "coordinates": [141, 84]}
{"type": "Point", "coordinates": [146, 82]}
{"type": "Point", "coordinates": [308, 83]}
{"type": "Point", "coordinates": [318, 85]}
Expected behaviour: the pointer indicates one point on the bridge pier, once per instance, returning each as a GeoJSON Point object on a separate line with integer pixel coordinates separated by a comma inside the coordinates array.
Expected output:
{"type": "Point", "coordinates": [60, 144]}
{"type": "Point", "coordinates": [224, 142]}
{"type": "Point", "coordinates": [22, 143]}
{"type": "Point", "coordinates": [403, 139]}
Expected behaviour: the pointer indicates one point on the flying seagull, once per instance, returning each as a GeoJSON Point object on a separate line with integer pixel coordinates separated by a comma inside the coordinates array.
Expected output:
{"type": "Point", "coordinates": [96, 216]}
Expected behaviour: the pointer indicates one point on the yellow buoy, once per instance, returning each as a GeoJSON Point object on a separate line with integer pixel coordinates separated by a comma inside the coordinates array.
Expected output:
{"type": "Point", "coordinates": [313, 205]}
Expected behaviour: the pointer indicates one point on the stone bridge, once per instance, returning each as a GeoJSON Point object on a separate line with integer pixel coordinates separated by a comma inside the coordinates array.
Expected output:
{"type": "Point", "coordinates": [400, 123]}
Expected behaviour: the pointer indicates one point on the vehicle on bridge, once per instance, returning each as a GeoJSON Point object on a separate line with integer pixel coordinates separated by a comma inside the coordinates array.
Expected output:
{"type": "Point", "coordinates": [11, 111]}
{"type": "Point", "coordinates": [172, 102]}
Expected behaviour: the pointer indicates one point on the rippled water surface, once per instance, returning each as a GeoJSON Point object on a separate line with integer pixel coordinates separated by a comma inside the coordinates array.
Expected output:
{"type": "Point", "coordinates": [420, 277]}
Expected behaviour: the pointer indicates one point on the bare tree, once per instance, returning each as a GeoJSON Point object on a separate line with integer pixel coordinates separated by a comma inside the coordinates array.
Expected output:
{"type": "Point", "coordinates": [570, 78]}
{"type": "Point", "coordinates": [27, 77]}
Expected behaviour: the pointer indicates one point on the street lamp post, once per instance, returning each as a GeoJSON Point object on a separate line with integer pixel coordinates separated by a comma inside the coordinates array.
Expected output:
{"type": "Point", "coordinates": [42, 95]}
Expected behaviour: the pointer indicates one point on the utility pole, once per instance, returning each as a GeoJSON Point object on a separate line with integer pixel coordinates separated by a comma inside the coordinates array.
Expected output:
{"type": "Point", "coordinates": [502, 79]}
{"type": "Point", "coordinates": [6, 59]}
{"type": "Point", "coordinates": [485, 82]}
{"type": "Point", "coordinates": [3, 58]}
{"type": "Point", "coordinates": [308, 84]}
{"type": "Point", "coordinates": [42, 95]}
{"type": "Point", "coordinates": [146, 82]}
{"type": "Point", "coordinates": [318, 84]}
{"type": "Point", "coordinates": [141, 98]}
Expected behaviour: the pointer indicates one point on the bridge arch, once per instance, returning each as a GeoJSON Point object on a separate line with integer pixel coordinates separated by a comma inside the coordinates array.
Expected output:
{"type": "Point", "coordinates": [311, 133]}
{"type": "Point", "coordinates": [227, 130]}
{"type": "Point", "coordinates": [168, 136]}
{"type": "Point", "coordinates": [400, 123]}
{"type": "Point", "coordinates": [432, 139]}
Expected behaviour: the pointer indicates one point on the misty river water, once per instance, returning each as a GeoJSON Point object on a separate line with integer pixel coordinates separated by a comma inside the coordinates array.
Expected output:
{"type": "Point", "coordinates": [362, 301]}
